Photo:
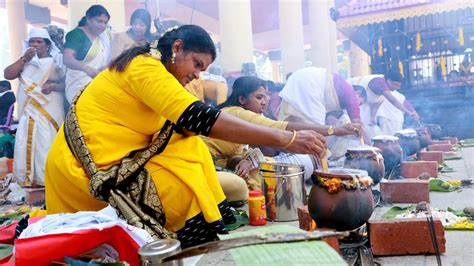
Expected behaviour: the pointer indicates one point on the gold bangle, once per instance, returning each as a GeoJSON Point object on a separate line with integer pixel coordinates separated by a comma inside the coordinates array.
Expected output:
{"type": "Point", "coordinates": [292, 140]}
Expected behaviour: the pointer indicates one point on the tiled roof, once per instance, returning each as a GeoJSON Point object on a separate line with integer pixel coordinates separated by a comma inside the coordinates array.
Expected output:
{"type": "Point", "coordinates": [359, 7]}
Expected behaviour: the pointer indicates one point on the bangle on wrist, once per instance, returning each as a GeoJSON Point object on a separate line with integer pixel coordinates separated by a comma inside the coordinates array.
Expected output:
{"type": "Point", "coordinates": [292, 140]}
{"type": "Point", "coordinates": [23, 59]}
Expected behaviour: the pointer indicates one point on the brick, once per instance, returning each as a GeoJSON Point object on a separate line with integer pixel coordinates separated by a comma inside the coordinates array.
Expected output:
{"type": "Point", "coordinates": [305, 221]}
{"type": "Point", "coordinates": [34, 196]}
{"type": "Point", "coordinates": [404, 191]}
{"type": "Point", "coordinates": [404, 237]}
{"type": "Point", "coordinates": [452, 140]}
{"type": "Point", "coordinates": [414, 169]}
{"type": "Point", "coordinates": [331, 241]}
{"type": "Point", "coordinates": [437, 156]}
{"type": "Point", "coordinates": [440, 142]}
{"type": "Point", "coordinates": [440, 147]}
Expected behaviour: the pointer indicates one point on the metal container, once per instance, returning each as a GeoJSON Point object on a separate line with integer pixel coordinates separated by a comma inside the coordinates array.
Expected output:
{"type": "Point", "coordinates": [153, 252]}
{"type": "Point", "coordinates": [284, 190]}
{"type": "Point", "coordinates": [409, 141]}
{"type": "Point", "coordinates": [366, 158]}
{"type": "Point", "coordinates": [391, 151]}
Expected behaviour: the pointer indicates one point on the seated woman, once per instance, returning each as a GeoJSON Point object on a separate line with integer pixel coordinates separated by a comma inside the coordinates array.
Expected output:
{"type": "Point", "coordinates": [129, 140]}
{"type": "Point", "coordinates": [248, 101]}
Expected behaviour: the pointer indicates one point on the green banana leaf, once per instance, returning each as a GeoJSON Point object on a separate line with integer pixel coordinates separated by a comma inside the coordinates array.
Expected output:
{"type": "Point", "coordinates": [442, 186]}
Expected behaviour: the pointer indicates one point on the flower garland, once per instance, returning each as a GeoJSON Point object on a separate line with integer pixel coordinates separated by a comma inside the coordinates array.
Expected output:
{"type": "Point", "coordinates": [154, 52]}
{"type": "Point", "coordinates": [418, 42]}
{"type": "Point", "coordinates": [380, 47]}
{"type": "Point", "coordinates": [461, 36]}
{"type": "Point", "coordinates": [334, 184]}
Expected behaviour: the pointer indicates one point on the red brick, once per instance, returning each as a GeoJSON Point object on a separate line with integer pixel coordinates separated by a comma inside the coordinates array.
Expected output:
{"type": "Point", "coordinates": [331, 241]}
{"type": "Point", "coordinates": [405, 191]}
{"type": "Point", "coordinates": [307, 223]}
{"type": "Point", "coordinates": [34, 196]}
{"type": "Point", "coordinates": [437, 156]}
{"type": "Point", "coordinates": [404, 237]}
{"type": "Point", "coordinates": [440, 147]}
{"type": "Point", "coordinates": [453, 140]}
{"type": "Point", "coordinates": [414, 169]}
{"type": "Point", "coordinates": [440, 142]}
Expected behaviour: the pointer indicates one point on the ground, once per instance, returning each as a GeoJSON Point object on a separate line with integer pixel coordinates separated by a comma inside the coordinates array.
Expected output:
{"type": "Point", "coordinates": [459, 244]}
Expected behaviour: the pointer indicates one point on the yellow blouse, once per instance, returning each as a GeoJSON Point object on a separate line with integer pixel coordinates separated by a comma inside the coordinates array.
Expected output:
{"type": "Point", "coordinates": [207, 90]}
{"type": "Point", "coordinates": [228, 150]}
{"type": "Point", "coordinates": [133, 107]}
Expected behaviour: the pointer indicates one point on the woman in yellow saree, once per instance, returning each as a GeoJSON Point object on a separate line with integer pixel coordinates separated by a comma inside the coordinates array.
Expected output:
{"type": "Point", "coordinates": [130, 140]}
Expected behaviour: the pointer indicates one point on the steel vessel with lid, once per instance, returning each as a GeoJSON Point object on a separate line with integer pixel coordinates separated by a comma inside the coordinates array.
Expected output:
{"type": "Point", "coordinates": [153, 252]}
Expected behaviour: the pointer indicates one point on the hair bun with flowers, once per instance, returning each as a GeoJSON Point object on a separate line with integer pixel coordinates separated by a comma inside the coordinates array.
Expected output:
{"type": "Point", "coordinates": [154, 52]}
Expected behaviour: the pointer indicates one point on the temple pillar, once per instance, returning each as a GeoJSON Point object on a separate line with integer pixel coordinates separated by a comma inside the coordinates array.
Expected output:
{"type": "Point", "coordinates": [17, 29]}
{"type": "Point", "coordinates": [359, 61]}
{"type": "Point", "coordinates": [17, 32]}
{"type": "Point", "coordinates": [236, 40]}
{"type": "Point", "coordinates": [323, 34]}
{"type": "Point", "coordinates": [291, 35]}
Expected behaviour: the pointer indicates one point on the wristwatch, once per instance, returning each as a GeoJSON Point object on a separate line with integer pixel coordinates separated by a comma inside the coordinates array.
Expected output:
{"type": "Point", "coordinates": [330, 130]}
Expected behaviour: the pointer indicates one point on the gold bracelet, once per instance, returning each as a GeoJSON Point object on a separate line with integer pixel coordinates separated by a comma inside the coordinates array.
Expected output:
{"type": "Point", "coordinates": [292, 140]}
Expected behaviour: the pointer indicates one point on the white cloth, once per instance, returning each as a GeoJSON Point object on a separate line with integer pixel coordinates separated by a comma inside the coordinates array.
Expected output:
{"type": "Point", "coordinates": [389, 111]}
{"type": "Point", "coordinates": [305, 92]}
{"type": "Point", "coordinates": [97, 57]}
{"type": "Point", "coordinates": [389, 117]}
{"type": "Point", "coordinates": [339, 145]}
{"type": "Point", "coordinates": [71, 222]}
{"type": "Point", "coordinates": [53, 50]}
{"type": "Point", "coordinates": [370, 131]}
{"type": "Point", "coordinates": [297, 159]}
{"type": "Point", "coordinates": [41, 115]}
{"type": "Point", "coordinates": [364, 82]}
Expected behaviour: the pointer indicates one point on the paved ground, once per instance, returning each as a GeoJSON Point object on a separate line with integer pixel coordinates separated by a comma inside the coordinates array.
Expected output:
{"type": "Point", "coordinates": [459, 244]}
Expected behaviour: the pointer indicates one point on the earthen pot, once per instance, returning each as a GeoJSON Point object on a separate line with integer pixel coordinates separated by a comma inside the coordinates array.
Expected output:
{"type": "Point", "coordinates": [409, 141]}
{"type": "Point", "coordinates": [435, 130]}
{"type": "Point", "coordinates": [424, 136]}
{"type": "Point", "coordinates": [366, 158]}
{"type": "Point", "coordinates": [390, 149]}
{"type": "Point", "coordinates": [346, 209]}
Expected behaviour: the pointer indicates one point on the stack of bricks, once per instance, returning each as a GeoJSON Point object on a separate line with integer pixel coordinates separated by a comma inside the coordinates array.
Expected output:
{"type": "Point", "coordinates": [405, 237]}
{"type": "Point", "coordinates": [34, 196]}
{"type": "Point", "coordinates": [415, 169]}
{"type": "Point", "coordinates": [405, 191]}
{"type": "Point", "coordinates": [436, 156]}
{"type": "Point", "coordinates": [440, 147]}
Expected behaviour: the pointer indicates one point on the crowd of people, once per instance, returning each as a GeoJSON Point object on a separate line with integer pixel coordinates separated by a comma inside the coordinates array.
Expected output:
{"type": "Point", "coordinates": [129, 120]}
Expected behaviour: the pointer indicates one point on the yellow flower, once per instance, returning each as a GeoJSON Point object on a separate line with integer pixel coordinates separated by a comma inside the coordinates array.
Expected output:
{"type": "Point", "coordinates": [461, 36]}
{"type": "Point", "coordinates": [400, 66]}
{"type": "Point", "coordinates": [380, 47]}
{"type": "Point", "coordinates": [418, 42]}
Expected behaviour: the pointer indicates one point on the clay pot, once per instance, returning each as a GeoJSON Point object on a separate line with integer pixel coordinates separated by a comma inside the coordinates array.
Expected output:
{"type": "Point", "coordinates": [435, 130]}
{"type": "Point", "coordinates": [424, 136]}
{"type": "Point", "coordinates": [366, 158]}
{"type": "Point", "coordinates": [390, 149]}
{"type": "Point", "coordinates": [409, 141]}
{"type": "Point", "coordinates": [346, 209]}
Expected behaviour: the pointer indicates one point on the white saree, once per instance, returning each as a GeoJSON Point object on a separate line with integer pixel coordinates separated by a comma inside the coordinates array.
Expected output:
{"type": "Point", "coordinates": [40, 119]}
{"type": "Point", "coordinates": [97, 57]}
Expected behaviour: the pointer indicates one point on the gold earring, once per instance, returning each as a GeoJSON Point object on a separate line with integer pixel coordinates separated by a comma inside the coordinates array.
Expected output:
{"type": "Point", "coordinates": [173, 58]}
